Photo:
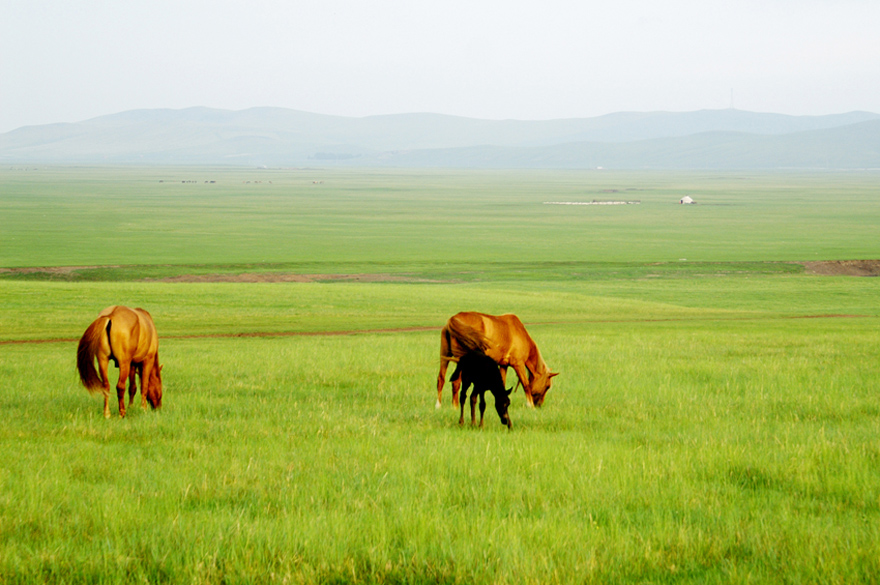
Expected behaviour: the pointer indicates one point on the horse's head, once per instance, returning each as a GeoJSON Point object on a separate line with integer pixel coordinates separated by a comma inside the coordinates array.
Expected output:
{"type": "Point", "coordinates": [541, 385]}
{"type": "Point", "coordinates": [154, 395]}
{"type": "Point", "coordinates": [502, 403]}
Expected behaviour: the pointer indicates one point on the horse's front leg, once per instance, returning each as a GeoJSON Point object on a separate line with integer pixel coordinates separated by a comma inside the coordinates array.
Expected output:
{"type": "Point", "coordinates": [523, 374]}
{"type": "Point", "coordinates": [124, 370]}
{"type": "Point", "coordinates": [503, 370]}
{"type": "Point", "coordinates": [146, 371]}
{"type": "Point", "coordinates": [132, 386]}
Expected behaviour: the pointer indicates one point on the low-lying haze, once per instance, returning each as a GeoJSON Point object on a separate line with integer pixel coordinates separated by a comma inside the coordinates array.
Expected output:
{"type": "Point", "coordinates": [71, 61]}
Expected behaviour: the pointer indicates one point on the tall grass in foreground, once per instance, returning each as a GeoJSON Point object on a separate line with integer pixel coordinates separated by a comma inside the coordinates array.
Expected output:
{"type": "Point", "coordinates": [692, 451]}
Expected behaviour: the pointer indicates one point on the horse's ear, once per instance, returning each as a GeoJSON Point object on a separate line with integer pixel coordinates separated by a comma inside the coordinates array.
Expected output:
{"type": "Point", "coordinates": [509, 391]}
{"type": "Point", "coordinates": [552, 374]}
{"type": "Point", "coordinates": [160, 367]}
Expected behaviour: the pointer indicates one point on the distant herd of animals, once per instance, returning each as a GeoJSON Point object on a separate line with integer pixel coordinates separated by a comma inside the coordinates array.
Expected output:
{"type": "Point", "coordinates": [482, 346]}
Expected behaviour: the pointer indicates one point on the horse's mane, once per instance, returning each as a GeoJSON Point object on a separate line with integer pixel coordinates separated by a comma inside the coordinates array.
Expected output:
{"type": "Point", "coordinates": [540, 366]}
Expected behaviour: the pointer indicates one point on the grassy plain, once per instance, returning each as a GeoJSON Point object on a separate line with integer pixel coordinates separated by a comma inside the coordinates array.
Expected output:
{"type": "Point", "coordinates": [439, 223]}
{"type": "Point", "coordinates": [716, 419]}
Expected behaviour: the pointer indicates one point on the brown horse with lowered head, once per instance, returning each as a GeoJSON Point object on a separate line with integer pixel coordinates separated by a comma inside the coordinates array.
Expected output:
{"type": "Point", "coordinates": [128, 337]}
{"type": "Point", "coordinates": [504, 339]}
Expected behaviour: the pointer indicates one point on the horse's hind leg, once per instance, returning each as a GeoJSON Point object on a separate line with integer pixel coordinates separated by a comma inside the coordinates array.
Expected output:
{"type": "Point", "coordinates": [445, 354]}
{"type": "Point", "coordinates": [441, 379]}
{"type": "Point", "coordinates": [455, 380]}
{"type": "Point", "coordinates": [482, 406]}
{"type": "Point", "coordinates": [132, 386]}
{"type": "Point", "coordinates": [456, 385]}
{"type": "Point", "coordinates": [103, 364]}
{"type": "Point", "coordinates": [474, 406]}
{"type": "Point", "coordinates": [461, 418]}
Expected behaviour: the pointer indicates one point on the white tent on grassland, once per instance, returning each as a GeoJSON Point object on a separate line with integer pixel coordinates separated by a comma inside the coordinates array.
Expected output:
{"type": "Point", "coordinates": [686, 200]}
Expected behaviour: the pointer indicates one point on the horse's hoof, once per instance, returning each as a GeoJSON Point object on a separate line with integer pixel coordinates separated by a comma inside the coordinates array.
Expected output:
{"type": "Point", "coordinates": [437, 405]}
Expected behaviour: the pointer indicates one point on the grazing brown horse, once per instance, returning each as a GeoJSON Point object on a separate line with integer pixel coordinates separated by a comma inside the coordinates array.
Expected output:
{"type": "Point", "coordinates": [504, 339]}
{"type": "Point", "coordinates": [128, 337]}
{"type": "Point", "coordinates": [482, 371]}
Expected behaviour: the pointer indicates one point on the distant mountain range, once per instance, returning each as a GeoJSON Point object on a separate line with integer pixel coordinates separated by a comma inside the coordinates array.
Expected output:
{"type": "Point", "coordinates": [707, 139]}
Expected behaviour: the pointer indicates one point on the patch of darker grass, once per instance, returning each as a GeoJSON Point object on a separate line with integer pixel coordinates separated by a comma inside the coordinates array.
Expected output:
{"type": "Point", "coordinates": [752, 478]}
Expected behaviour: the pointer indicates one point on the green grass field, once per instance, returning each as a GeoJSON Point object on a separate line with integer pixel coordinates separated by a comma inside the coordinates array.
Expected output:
{"type": "Point", "coordinates": [716, 419]}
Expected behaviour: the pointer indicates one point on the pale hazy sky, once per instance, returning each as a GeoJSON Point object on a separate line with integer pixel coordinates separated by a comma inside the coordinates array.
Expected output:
{"type": "Point", "coordinates": [70, 60]}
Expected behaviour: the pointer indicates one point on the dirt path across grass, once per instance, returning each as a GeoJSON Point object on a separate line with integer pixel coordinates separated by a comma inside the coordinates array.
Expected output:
{"type": "Point", "coordinates": [844, 267]}
{"type": "Point", "coordinates": [822, 268]}
{"type": "Point", "coordinates": [432, 328]}
{"type": "Point", "coordinates": [826, 268]}
{"type": "Point", "coordinates": [70, 273]}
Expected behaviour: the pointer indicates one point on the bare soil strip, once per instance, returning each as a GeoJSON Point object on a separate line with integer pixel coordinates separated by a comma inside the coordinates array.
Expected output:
{"type": "Point", "coordinates": [844, 268]}
{"type": "Point", "coordinates": [244, 277]}
{"type": "Point", "coordinates": [245, 334]}
{"type": "Point", "coordinates": [821, 268]}
{"type": "Point", "coordinates": [289, 277]}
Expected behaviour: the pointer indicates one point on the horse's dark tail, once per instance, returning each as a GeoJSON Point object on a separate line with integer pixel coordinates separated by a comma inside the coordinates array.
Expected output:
{"type": "Point", "coordinates": [86, 352]}
{"type": "Point", "coordinates": [445, 346]}
{"type": "Point", "coordinates": [466, 336]}
{"type": "Point", "coordinates": [450, 354]}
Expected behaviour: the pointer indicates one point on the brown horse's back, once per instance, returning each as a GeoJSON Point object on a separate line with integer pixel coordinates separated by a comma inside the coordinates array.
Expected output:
{"type": "Point", "coordinates": [501, 337]}
{"type": "Point", "coordinates": [132, 334]}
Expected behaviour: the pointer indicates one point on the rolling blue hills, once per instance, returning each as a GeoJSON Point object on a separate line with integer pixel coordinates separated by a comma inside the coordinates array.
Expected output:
{"type": "Point", "coordinates": [722, 139]}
